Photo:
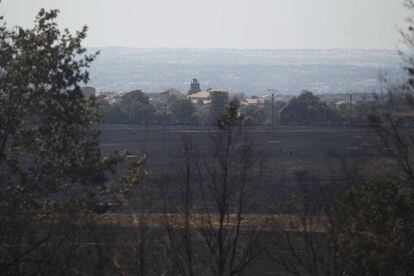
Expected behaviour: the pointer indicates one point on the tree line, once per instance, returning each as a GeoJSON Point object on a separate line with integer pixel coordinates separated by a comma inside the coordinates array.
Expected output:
{"type": "Point", "coordinates": [135, 107]}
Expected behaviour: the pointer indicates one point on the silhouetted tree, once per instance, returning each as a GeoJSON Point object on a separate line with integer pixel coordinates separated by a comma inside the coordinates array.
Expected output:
{"type": "Point", "coordinates": [182, 111]}
{"type": "Point", "coordinates": [209, 234]}
{"type": "Point", "coordinates": [219, 100]}
{"type": "Point", "coordinates": [136, 106]}
{"type": "Point", "coordinates": [306, 109]}
{"type": "Point", "coordinates": [53, 176]}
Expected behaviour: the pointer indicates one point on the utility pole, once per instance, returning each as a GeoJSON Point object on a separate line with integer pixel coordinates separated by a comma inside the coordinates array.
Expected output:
{"type": "Point", "coordinates": [273, 91]}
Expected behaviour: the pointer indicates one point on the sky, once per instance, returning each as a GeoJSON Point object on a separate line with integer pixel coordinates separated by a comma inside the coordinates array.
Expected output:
{"type": "Point", "coordinates": [243, 24]}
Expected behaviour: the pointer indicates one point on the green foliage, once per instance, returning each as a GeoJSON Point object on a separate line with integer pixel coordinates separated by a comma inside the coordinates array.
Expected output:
{"type": "Point", "coordinates": [136, 107]}
{"type": "Point", "coordinates": [45, 118]}
{"type": "Point", "coordinates": [306, 109]}
{"type": "Point", "coordinates": [51, 166]}
{"type": "Point", "coordinates": [376, 229]}
{"type": "Point", "coordinates": [231, 116]}
{"type": "Point", "coordinates": [202, 114]}
{"type": "Point", "coordinates": [255, 115]}
{"type": "Point", "coordinates": [182, 111]}
{"type": "Point", "coordinates": [112, 113]}
{"type": "Point", "coordinates": [219, 100]}
{"type": "Point", "coordinates": [134, 175]}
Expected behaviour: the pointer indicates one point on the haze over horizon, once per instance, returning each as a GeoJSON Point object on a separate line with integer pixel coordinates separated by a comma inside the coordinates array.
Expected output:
{"type": "Point", "coordinates": [230, 24]}
{"type": "Point", "coordinates": [235, 48]}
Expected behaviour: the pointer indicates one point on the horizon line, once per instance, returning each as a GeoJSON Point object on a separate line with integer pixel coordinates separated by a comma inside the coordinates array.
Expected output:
{"type": "Point", "coordinates": [241, 49]}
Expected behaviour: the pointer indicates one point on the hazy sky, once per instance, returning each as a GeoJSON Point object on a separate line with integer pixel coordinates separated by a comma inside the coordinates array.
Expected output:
{"type": "Point", "coordinates": [224, 23]}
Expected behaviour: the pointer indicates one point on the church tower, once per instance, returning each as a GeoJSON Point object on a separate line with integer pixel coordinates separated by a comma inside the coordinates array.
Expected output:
{"type": "Point", "coordinates": [195, 87]}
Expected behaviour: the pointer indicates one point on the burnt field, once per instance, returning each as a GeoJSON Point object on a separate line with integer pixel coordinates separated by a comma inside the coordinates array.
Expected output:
{"type": "Point", "coordinates": [330, 156]}
{"type": "Point", "coordinates": [321, 150]}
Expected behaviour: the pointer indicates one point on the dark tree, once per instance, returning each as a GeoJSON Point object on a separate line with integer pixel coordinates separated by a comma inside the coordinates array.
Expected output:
{"type": "Point", "coordinates": [182, 111]}
{"type": "Point", "coordinates": [136, 106]}
{"type": "Point", "coordinates": [375, 225]}
{"type": "Point", "coordinates": [52, 173]}
{"type": "Point", "coordinates": [219, 100]}
{"type": "Point", "coordinates": [306, 109]}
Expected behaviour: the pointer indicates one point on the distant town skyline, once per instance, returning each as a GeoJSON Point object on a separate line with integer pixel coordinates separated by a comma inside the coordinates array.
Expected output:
{"type": "Point", "coordinates": [242, 24]}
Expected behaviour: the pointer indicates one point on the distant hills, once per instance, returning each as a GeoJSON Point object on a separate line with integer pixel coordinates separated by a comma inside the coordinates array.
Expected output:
{"type": "Point", "coordinates": [244, 71]}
